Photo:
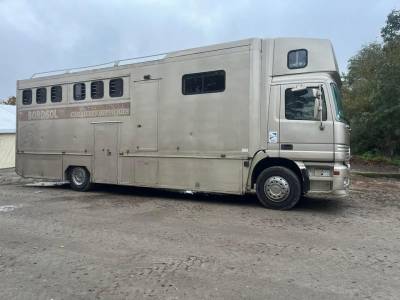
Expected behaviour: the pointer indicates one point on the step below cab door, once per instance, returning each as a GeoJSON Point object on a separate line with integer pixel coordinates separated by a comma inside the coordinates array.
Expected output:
{"type": "Point", "coordinates": [301, 135]}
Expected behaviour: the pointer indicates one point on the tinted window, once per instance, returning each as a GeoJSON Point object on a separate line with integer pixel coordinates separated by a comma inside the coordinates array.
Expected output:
{"type": "Point", "coordinates": [214, 82]}
{"type": "Point", "coordinates": [56, 93]}
{"type": "Point", "coordinates": [205, 82]}
{"type": "Point", "coordinates": [192, 85]}
{"type": "Point", "coordinates": [27, 97]}
{"type": "Point", "coordinates": [299, 105]}
{"type": "Point", "coordinates": [79, 91]}
{"type": "Point", "coordinates": [41, 95]}
{"type": "Point", "coordinates": [97, 89]}
{"type": "Point", "coordinates": [116, 87]}
{"type": "Point", "coordinates": [297, 59]}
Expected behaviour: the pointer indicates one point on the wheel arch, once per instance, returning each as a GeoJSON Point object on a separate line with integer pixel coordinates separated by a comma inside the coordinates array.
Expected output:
{"type": "Point", "coordinates": [70, 161]}
{"type": "Point", "coordinates": [297, 167]}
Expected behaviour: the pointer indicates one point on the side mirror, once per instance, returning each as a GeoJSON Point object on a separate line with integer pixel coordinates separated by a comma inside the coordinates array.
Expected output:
{"type": "Point", "coordinates": [317, 93]}
{"type": "Point", "coordinates": [317, 109]}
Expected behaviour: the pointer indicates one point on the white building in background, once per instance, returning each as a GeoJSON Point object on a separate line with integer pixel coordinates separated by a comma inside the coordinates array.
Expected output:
{"type": "Point", "coordinates": [7, 136]}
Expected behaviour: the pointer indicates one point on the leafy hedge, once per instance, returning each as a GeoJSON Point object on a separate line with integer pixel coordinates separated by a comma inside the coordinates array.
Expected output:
{"type": "Point", "coordinates": [372, 93]}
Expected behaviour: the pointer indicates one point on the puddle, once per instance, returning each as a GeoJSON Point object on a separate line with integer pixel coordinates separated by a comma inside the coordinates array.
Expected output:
{"type": "Point", "coordinates": [7, 208]}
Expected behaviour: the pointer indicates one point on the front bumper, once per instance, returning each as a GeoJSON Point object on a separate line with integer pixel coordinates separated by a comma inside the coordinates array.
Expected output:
{"type": "Point", "coordinates": [341, 179]}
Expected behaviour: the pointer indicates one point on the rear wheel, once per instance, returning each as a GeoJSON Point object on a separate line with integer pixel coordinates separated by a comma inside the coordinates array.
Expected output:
{"type": "Point", "coordinates": [79, 179]}
{"type": "Point", "coordinates": [278, 188]}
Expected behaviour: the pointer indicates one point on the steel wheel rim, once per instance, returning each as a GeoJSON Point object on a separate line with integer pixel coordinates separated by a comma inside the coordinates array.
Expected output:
{"type": "Point", "coordinates": [276, 188]}
{"type": "Point", "coordinates": [78, 176]}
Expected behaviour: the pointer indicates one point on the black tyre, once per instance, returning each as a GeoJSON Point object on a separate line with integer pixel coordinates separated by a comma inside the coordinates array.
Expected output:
{"type": "Point", "coordinates": [278, 188]}
{"type": "Point", "coordinates": [79, 179]}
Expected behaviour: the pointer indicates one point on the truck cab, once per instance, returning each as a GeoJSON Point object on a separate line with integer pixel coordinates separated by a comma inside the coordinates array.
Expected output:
{"type": "Point", "coordinates": [306, 129]}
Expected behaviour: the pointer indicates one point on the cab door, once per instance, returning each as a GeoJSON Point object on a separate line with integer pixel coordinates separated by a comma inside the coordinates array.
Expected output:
{"type": "Point", "coordinates": [301, 136]}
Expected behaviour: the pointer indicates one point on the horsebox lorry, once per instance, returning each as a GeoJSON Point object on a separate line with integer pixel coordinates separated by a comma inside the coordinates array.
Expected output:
{"type": "Point", "coordinates": [256, 115]}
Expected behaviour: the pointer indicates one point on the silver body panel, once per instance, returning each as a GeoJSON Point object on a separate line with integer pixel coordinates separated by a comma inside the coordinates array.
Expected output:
{"type": "Point", "coordinates": [155, 136]}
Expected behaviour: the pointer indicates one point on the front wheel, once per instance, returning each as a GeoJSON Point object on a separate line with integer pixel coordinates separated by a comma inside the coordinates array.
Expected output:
{"type": "Point", "coordinates": [278, 188]}
{"type": "Point", "coordinates": [79, 179]}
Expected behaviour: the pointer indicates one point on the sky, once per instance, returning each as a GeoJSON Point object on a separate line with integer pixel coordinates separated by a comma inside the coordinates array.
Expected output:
{"type": "Point", "coordinates": [47, 35]}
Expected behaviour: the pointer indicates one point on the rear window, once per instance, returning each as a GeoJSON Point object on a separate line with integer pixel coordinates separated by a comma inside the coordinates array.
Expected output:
{"type": "Point", "coordinates": [79, 91]}
{"type": "Point", "coordinates": [27, 97]}
{"type": "Point", "coordinates": [41, 95]}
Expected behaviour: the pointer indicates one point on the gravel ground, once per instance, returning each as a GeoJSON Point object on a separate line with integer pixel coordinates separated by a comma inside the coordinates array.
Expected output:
{"type": "Point", "coordinates": [130, 243]}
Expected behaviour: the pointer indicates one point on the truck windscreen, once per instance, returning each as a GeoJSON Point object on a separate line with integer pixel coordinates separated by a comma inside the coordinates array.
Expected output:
{"type": "Point", "coordinates": [338, 103]}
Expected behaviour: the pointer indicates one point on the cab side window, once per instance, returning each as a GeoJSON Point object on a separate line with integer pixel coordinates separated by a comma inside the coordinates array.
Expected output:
{"type": "Point", "coordinates": [299, 105]}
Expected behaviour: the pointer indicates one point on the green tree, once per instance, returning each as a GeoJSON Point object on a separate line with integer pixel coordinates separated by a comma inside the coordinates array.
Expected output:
{"type": "Point", "coordinates": [372, 93]}
{"type": "Point", "coordinates": [391, 31]}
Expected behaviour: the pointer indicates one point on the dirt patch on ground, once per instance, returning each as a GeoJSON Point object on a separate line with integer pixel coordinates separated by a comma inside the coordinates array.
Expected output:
{"type": "Point", "coordinates": [130, 243]}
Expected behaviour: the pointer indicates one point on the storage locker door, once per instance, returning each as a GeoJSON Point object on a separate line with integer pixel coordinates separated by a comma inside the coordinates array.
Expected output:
{"type": "Point", "coordinates": [105, 152]}
{"type": "Point", "coordinates": [145, 104]}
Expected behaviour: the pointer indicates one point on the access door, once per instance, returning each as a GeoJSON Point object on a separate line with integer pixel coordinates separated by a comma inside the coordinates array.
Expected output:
{"type": "Point", "coordinates": [145, 105]}
{"type": "Point", "coordinates": [301, 136]}
{"type": "Point", "coordinates": [106, 152]}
